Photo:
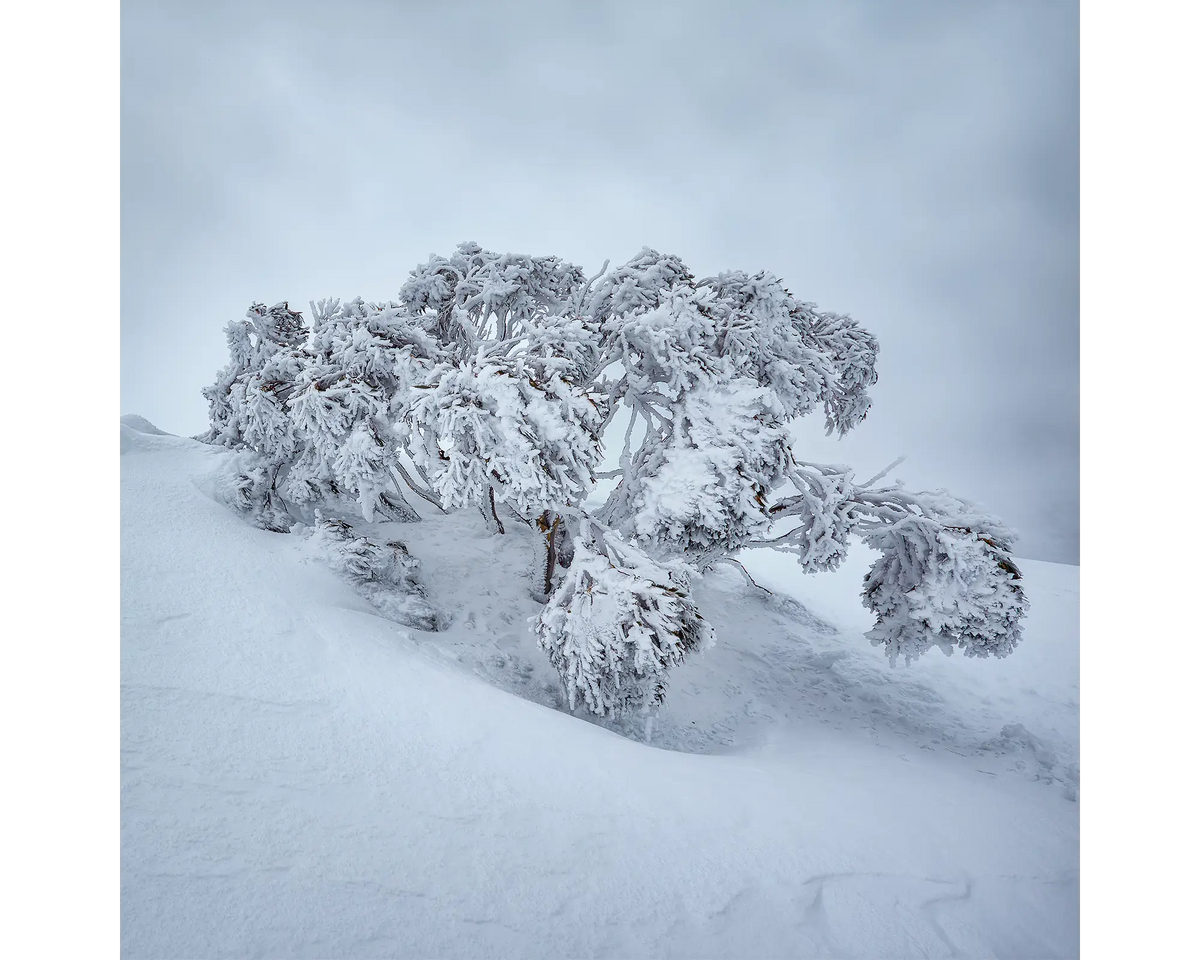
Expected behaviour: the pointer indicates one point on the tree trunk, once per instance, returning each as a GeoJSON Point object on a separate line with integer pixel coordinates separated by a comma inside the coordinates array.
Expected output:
{"type": "Point", "coordinates": [492, 505]}
{"type": "Point", "coordinates": [549, 529]}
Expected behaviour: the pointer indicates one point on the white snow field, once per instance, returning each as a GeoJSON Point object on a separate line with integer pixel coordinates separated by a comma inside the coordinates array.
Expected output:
{"type": "Point", "coordinates": [303, 778]}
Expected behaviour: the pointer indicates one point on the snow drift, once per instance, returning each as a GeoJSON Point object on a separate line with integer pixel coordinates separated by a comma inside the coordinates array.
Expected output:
{"type": "Point", "coordinates": [304, 777]}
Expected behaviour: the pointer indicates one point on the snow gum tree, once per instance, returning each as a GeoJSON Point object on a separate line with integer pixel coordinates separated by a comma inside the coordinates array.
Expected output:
{"type": "Point", "coordinates": [495, 381]}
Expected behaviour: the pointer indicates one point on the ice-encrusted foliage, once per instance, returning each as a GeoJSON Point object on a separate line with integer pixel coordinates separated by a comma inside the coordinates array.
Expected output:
{"type": "Point", "coordinates": [823, 510]}
{"type": "Point", "coordinates": [255, 495]}
{"type": "Point", "coordinates": [637, 287]}
{"type": "Point", "coordinates": [385, 573]}
{"type": "Point", "coordinates": [253, 343]}
{"type": "Point", "coordinates": [803, 356]}
{"type": "Point", "coordinates": [363, 560]}
{"type": "Point", "coordinates": [854, 352]}
{"type": "Point", "coordinates": [475, 295]}
{"type": "Point", "coordinates": [701, 486]}
{"type": "Point", "coordinates": [248, 483]}
{"type": "Point", "coordinates": [755, 321]}
{"type": "Point", "coordinates": [266, 424]}
{"type": "Point", "coordinates": [668, 350]}
{"type": "Point", "coordinates": [945, 576]}
{"type": "Point", "coordinates": [944, 586]}
{"type": "Point", "coordinates": [615, 626]}
{"type": "Point", "coordinates": [493, 379]}
{"type": "Point", "coordinates": [511, 426]}
{"type": "Point", "coordinates": [248, 409]}
{"type": "Point", "coordinates": [354, 392]}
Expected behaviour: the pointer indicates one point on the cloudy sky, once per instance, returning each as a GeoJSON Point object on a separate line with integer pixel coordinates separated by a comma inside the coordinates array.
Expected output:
{"type": "Point", "coordinates": [913, 164]}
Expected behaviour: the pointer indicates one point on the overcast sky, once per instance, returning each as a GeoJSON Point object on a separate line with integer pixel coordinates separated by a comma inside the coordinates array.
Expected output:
{"type": "Point", "coordinates": [913, 164]}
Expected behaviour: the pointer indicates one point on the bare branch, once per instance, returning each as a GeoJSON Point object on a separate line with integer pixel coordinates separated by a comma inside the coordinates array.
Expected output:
{"type": "Point", "coordinates": [746, 574]}
{"type": "Point", "coordinates": [416, 488]}
{"type": "Point", "coordinates": [886, 470]}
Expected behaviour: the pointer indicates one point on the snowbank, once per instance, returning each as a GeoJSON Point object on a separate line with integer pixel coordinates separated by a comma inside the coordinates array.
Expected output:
{"type": "Point", "coordinates": [301, 777]}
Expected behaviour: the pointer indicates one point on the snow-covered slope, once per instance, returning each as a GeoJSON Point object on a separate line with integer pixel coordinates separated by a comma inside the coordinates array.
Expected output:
{"type": "Point", "coordinates": [303, 778]}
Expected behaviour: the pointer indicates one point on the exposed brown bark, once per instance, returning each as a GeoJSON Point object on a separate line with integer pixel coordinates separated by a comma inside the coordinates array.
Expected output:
{"type": "Point", "coordinates": [492, 504]}
{"type": "Point", "coordinates": [550, 531]}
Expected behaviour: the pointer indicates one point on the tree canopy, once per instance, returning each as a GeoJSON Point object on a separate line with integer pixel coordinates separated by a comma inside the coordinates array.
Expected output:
{"type": "Point", "coordinates": [495, 380]}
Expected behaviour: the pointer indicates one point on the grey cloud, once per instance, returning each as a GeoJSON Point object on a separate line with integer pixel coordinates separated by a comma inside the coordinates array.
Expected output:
{"type": "Point", "coordinates": [912, 164]}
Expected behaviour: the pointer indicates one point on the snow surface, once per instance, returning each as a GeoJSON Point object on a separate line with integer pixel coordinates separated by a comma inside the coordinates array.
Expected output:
{"type": "Point", "coordinates": [303, 778]}
{"type": "Point", "coordinates": [142, 425]}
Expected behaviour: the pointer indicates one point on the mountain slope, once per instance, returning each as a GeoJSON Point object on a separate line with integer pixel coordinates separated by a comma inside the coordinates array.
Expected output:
{"type": "Point", "coordinates": [301, 777]}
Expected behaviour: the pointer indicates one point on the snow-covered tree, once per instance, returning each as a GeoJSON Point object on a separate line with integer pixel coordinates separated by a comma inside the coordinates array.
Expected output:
{"type": "Point", "coordinates": [495, 380]}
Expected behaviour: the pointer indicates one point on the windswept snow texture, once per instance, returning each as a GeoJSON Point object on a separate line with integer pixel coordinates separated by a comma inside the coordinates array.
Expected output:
{"type": "Point", "coordinates": [142, 425]}
{"type": "Point", "coordinates": [304, 778]}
